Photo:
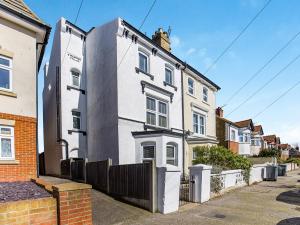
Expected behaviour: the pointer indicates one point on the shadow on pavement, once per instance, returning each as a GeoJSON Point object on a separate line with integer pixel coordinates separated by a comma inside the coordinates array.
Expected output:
{"type": "Point", "coordinates": [290, 197]}
{"type": "Point", "coordinates": [290, 221]}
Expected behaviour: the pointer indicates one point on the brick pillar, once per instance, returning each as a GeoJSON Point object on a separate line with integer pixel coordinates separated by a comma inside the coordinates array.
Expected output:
{"type": "Point", "coordinates": [74, 205]}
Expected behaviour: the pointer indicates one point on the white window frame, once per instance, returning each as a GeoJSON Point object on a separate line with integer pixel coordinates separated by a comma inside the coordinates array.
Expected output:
{"type": "Point", "coordinates": [147, 61]}
{"type": "Point", "coordinates": [9, 68]}
{"type": "Point", "coordinates": [79, 78]}
{"type": "Point", "coordinates": [205, 96]}
{"type": "Point", "coordinates": [154, 151]}
{"type": "Point", "coordinates": [12, 138]}
{"type": "Point", "coordinates": [175, 158]}
{"type": "Point", "coordinates": [199, 125]}
{"type": "Point", "coordinates": [191, 89]}
{"type": "Point", "coordinates": [172, 75]}
{"type": "Point", "coordinates": [232, 132]}
{"type": "Point", "coordinates": [157, 113]}
{"type": "Point", "coordinates": [75, 116]}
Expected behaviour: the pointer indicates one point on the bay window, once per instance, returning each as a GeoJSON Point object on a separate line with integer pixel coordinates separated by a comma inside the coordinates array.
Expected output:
{"type": "Point", "coordinates": [148, 152]}
{"type": "Point", "coordinates": [199, 123]}
{"type": "Point", "coordinates": [5, 73]}
{"type": "Point", "coordinates": [157, 112]}
{"type": "Point", "coordinates": [171, 155]}
{"type": "Point", "coordinates": [7, 143]}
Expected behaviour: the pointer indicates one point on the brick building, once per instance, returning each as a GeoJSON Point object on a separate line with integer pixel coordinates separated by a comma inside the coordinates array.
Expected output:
{"type": "Point", "coordinates": [22, 44]}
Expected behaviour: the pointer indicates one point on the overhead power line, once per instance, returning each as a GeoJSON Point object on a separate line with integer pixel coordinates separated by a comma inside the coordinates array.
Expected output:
{"type": "Point", "coordinates": [263, 67]}
{"type": "Point", "coordinates": [75, 21]}
{"type": "Point", "coordinates": [265, 84]}
{"type": "Point", "coordinates": [237, 37]}
{"type": "Point", "coordinates": [277, 99]}
{"type": "Point", "coordinates": [140, 27]}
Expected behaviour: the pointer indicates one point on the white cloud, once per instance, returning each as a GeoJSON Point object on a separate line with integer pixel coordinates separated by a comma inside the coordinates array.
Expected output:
{"type": "Point", "coordinates": [191, 51]}
{"type": "Point", "coordinates": [175, 41]}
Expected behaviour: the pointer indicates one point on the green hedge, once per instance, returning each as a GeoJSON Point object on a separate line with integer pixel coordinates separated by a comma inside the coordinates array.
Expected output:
{"type": "Point", "coordinates": [270, 153]}
{"type": "Point", "coordinates": [293, 160]}
{"type": "Point", "coordinates": [222, 157]}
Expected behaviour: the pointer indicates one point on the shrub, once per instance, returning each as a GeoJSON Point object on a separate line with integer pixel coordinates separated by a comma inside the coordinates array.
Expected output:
{"type": "Point", "coordinates": [222, 157]}
{"type": "Point", "coordinates": [270, 153]}
{"type": "Point", "coordinates": [293, 160]}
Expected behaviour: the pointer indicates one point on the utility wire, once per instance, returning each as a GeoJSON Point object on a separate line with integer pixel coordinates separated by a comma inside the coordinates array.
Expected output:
{"type": "Point", "coordinates": [237, 37]}
{"type": "Point", "coordinates": [263, 67]}
{"type": "Point", "coordinates": [266, 84]}
{"type": "Point", "coordinates": [277, 99]}
{"type": "Point", "coordinates": [76, 18]}
{"type": "Point", "coordinates": [142, 24]}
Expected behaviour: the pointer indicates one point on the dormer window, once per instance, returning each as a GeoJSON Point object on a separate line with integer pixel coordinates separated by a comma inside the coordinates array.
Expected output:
{"type": "Point", "coordinates": [143, 62]}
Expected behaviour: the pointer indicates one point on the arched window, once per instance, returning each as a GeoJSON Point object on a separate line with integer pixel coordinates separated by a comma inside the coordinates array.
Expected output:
{"type": "Point", "coordinates": [172, 154]}
{"type": "Point", "coordinates": [75, 77]}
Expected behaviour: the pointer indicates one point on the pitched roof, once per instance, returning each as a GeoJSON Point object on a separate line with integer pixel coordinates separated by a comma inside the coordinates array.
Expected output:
{"type": "Point", "coordinates": [228, 121]}
{"type": "Point", "coordinates": [270, 138]}
{"type": "Point", "coordinates": [258, 129]}
{"type": "Point", "coordinates": [245, 123]}
{"type": "Point", "coordinates": [19, 6]}
{"type": "Point", "coordinates": [284, 146]}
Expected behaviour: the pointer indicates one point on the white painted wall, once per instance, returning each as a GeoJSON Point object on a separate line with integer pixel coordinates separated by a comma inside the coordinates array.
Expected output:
{"type": "Point", "coordinates": [65, 45]}
{"type": "Point", "coordinates": [244, 147]}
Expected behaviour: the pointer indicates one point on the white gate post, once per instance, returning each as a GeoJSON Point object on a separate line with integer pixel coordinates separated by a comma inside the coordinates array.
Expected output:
{"type": "Point", "coordinates": [200, 183]}
{"type": "Point", "coordinates": [168, 183]}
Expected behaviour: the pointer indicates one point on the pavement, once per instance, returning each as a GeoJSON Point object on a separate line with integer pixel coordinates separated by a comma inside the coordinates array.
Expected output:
{"type": "Point", "coordinates": [266, 203]}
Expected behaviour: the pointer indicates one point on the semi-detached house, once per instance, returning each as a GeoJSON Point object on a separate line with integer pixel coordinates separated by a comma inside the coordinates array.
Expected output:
{"type": "Point", "coordinates": [129, 101]}
{"type": "Point", "coordinates": [23, 38]}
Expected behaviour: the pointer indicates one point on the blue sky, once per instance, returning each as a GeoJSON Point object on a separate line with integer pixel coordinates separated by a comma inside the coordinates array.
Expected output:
{"type": "Point", "coordinates": [200, 31]}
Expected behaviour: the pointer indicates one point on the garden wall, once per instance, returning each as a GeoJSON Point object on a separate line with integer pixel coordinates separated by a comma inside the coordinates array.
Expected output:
{"type": "Point", "coordinates": [33, 212]}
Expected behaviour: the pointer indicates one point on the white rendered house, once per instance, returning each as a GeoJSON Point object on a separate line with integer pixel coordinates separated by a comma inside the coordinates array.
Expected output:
{"type": "Point", "coordinates": [257, 141]}
{"type": "Point", "coordinates": [64, 98]}
{"type": "Point", "coordinates": [246, 128]}
{"type": "Point", "coordinates": [129, 97]}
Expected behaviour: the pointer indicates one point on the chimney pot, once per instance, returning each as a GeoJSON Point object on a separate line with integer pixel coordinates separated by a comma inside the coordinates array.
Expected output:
{"type": "Point", "coordinates": [161, 38]}
{"type": "Point", "coordinates": [219, 112]}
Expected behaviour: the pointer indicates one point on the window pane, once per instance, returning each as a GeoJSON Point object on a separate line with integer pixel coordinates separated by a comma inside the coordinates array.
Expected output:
{"type": "Point", "coordinates": [6, 147]}
{"type": "Point", "coordinates": [4, 62]}
{"type": "Point", "coordinates": [148, 152]}
{"type": "Point", "coordinates": [6, 131]}
{"type": "Point", "coordinates": [162, 107]}
{"type": "Point", "coordinates": [195, 123]}
{"type": "Point", "coordinates": [75, 78]}
{"type": "Point", "coordinates": [171, 162]}
{"type": "Point", "coordinates": [170, 152]}
{"type": "Point", "coordinates": [4, 78]}
{"type": "Point", "coordinates": [143, 62]}
{"type": "Point", "coordinates": [151, 104]}
{"type": "Point", "coordinates": [76, 122]}
{"type": "Point", "coordinates": [191, 86]}
{"type": "Point", "coordinates": [202, 120]}
{"type": "Point", "coordinates": [168, 76]}
{"type": "Point", "coordinates": [75, 113]}
{"type": "Point", "coordinates": [162, 121]}
{"type": "Point", "coordinates": [201, 129]}
{"type": "Point", "coordinates": [151, 118]}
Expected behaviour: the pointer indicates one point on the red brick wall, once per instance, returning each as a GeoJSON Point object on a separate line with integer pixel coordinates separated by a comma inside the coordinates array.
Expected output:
{"type": "Point", "coordinates": [25, 150]}
{"type": "Point", "coordinates": [233, 146]}
{"type": "Point", "coordinates": [34, 212]}
{"type": "Point", "coordinates": [74, 207]}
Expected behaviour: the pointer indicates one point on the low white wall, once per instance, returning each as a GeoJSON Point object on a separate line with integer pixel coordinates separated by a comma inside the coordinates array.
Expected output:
{"type": "Point", "coordinates": [257, 173]}
{"type": "Point", "coordinates": [288, 167]}
{"type": "Point", "coordinates": [168, 183]}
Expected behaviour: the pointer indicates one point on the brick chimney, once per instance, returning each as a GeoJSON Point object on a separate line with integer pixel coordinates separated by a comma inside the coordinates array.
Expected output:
{"type": "Point", "coordinates": [162, 39]}
{"type": "Point", "coordinates": [219, 112]}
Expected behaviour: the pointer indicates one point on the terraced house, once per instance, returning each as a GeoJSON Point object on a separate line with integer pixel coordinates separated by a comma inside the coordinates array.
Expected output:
{"type": "Point", "coordinates": [257, 140]}
{"type": "Point", "coordinates": [130, 99]}
{"type": "Point", "coordinates": [23, 38]}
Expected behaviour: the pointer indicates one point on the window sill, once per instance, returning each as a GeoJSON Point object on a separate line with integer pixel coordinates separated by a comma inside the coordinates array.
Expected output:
{"type": "Point", "coordinates": [153, 127]}
{"type": "Point", "coordinates": [193, 96]}
{"type": "Point", "coordinates": [75, 88]}
{"type": "Point", "coordinates": [77, 131]}
{"type": "Point", "coordinates": [9, 162]}
{"type": "Point", "coordinates": [171, 85]}
{"type": "Point", "coordinates": [206, 103]}
{"type": "Point", "coordinates": [8, 93]}
{"type": "Point", "coordinates": [138, 70]}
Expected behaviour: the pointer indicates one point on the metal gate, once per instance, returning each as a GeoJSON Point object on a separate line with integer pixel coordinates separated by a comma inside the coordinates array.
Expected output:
{"type": "Point", "coordinates": [186, 185]}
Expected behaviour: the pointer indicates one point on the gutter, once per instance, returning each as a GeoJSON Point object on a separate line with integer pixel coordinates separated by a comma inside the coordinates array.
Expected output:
{"type": "Point", "coordinates": [183, 125]}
